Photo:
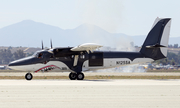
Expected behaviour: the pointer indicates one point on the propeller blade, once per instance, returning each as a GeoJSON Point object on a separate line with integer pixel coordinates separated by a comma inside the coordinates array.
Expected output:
{"type": "Point", "coordinates": [51, 44]}
{"type": "Point", "coordinates": [42, 45]}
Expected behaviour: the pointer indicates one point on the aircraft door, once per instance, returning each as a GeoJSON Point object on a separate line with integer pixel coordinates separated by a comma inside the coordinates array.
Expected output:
{"type": "Point", "coordinates": [96, 59]}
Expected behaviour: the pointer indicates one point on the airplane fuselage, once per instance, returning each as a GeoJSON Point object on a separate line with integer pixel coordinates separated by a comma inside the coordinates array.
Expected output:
{"type": "Point", "coordinates": [88, 62]}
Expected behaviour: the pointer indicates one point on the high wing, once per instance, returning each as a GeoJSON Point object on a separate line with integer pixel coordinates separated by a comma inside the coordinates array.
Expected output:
{"type": "Point", "coordinates": [86, 47]}
{"type": "Point", "coordinates": [68, 51]}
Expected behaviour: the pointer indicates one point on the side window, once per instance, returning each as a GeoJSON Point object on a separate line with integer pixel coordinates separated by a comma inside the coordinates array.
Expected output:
{"type": "Point", "coordinates": [96, 59]}
{"type": "Point", "coordinates": [93, 57]}
{"type": "Point", "coordinates": [72, 56]}
{"type": "Point", "coordinates": [52, 56]}
{"type": "Point", "coordinates": [82, 56]}
{"type": "Point", "coordinates": [40, 55]}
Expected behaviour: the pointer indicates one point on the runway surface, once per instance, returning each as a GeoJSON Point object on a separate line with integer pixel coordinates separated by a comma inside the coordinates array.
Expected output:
{"type": "Point", "coordinates": [90, 94]}
{"type": "Point", "coordinates": [93, 74]}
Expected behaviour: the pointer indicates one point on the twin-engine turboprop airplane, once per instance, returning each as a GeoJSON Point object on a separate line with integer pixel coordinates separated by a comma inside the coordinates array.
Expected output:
{"type": "Point", "coordinates": [84, 58]}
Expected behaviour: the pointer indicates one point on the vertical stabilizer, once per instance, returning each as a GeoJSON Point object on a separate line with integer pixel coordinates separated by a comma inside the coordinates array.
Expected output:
{"type": "Point", "coordinates": [156, 43]}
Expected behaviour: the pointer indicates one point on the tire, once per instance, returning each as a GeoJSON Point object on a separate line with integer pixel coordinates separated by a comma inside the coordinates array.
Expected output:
{"type": "Point", "coordinates": [72, 76]}
{"type": "Point", "coordinates": [28, 76]}
{"type": "Point", "coordinates": [80, 76]}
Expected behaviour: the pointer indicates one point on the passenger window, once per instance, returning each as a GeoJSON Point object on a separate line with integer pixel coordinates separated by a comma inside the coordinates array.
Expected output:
{"type": "Point", "coordinates": [93, 57]}
{"type": "Point", "coordinates": [82, 56]}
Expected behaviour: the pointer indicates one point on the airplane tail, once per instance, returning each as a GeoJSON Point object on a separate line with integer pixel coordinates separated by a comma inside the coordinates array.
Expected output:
{"type": "Point", "coordinates": [156, 43]}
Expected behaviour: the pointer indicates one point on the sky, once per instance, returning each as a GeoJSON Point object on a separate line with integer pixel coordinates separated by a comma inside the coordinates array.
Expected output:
{"type": "Point", "coordinates": [131, 17]}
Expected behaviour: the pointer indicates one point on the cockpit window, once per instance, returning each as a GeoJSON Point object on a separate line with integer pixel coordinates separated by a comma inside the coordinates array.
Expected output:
{"type": "Point", "coordinates": [35, 54]}
{"type": "Point", "coordinates": [40, 55]}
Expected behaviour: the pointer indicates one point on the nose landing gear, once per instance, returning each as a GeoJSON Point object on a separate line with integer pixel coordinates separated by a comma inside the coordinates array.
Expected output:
{"type": "Point", "coordinates": [74, 76]}
{"type": "Point", "coordinates": [28, 76]}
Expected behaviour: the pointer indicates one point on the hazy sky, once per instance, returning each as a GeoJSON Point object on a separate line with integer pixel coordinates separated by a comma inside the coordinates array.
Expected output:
{"type": "Point", "coordinates": [131, 17]}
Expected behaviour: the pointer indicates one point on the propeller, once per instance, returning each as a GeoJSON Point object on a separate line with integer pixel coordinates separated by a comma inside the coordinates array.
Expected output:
{"type": "Point", "coordinates": [51, 49]}
{"type": "Point", "coordinates": [51, 44]}
{"type": "Point", "coordinates": [42, 45]}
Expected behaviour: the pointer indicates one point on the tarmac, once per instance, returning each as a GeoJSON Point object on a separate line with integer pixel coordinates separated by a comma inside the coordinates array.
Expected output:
{"type": "Point", "coordinates": [93, 74]}
{"type": "Point", "coordinates": [90, 94]}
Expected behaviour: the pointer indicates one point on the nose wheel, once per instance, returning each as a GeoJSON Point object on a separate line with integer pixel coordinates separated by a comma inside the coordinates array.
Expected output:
{"type": "Point", "coordinates": [28, 76]}
{"type": "Point", "coordinates": [74, 76]}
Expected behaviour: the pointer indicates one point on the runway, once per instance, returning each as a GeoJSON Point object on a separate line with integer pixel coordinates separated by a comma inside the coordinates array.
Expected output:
{"type": "Point", "coordinates": [93, 74]}
{"type": "Point", "coordinates": [90, 94]}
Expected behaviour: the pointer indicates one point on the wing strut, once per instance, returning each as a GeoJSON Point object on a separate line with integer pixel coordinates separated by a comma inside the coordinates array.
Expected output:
{"type": "Point", "coordinates": [76, 60]}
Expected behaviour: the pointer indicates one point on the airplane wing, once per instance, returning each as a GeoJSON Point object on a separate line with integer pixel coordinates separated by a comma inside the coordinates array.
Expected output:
{"type": "Point", "coordinates": [64, 52]}
{"type": "Point", "coordinates": [86, 47]}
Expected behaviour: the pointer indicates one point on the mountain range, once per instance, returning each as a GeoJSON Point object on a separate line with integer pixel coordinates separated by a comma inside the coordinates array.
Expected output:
{"type": "Point", "coordinates": [29, 33]}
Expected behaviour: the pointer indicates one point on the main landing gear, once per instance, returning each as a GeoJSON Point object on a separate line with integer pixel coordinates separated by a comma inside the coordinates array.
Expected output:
{"type": "Point", "coordinates": [74, 76]}
{"type": "Point", "coordinates": [28, 76]}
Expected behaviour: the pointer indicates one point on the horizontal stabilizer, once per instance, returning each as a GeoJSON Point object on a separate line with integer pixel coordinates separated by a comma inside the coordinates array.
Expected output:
{"type": "Point", "coordinates": [155, 46]}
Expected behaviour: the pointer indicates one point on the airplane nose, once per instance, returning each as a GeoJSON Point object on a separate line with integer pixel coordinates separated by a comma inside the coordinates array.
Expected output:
{"type": "Point", "coordinates": [15, 65]}
{"type": "Point", "coordinates": [24, 61]}
{"type": "Point", "coordinates": [12, 64]}
{"type": "Point", "coordinates": [18, 64]}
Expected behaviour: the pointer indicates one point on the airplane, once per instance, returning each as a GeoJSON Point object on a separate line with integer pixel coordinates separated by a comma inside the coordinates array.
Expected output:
{"type": "Point", "coordinates": [85, 57]}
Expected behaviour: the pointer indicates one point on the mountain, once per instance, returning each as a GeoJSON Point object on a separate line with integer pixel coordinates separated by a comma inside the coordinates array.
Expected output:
{"type": "Point", "coordinates": [29, 33]}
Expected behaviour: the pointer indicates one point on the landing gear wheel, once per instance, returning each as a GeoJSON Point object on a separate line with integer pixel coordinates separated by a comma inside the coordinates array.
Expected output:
{"type": "Point", "coordinates": [80, 76]}
{"type": "Point", "coordinates": [72, 76]}
{"type": "Point", "coordinates": [28, 76]}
